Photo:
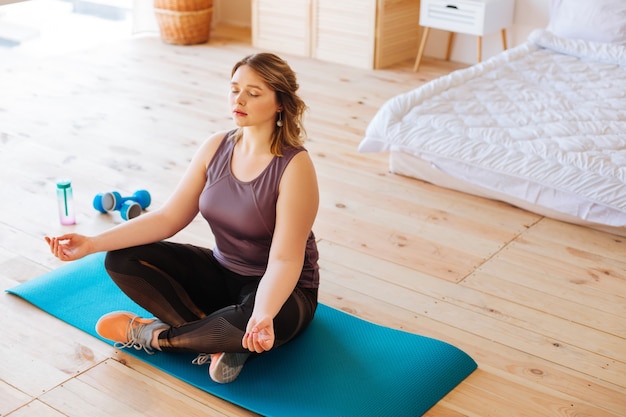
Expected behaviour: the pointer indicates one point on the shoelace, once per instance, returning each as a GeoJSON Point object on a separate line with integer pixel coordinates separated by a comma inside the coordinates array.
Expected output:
{"type": "Point", "coordinates": [135, 334]}
{"type": "Point", "coordinates": [201, 359]}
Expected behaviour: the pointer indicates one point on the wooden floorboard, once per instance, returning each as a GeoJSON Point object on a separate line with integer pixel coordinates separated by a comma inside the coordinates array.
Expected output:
{"type": "Point", "coordinates": [538, 303]}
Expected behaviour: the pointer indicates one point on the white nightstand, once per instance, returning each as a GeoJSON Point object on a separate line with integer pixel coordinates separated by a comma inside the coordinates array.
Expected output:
{"type": "Point", "coordinates": [472, 17]}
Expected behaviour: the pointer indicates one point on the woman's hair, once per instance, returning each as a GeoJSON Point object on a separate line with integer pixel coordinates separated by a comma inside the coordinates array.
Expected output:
{"type": "Point", "coordinates": [279, 76]}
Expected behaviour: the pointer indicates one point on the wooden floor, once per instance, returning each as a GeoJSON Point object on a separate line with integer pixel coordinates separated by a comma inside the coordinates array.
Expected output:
{"type": "Point", "coordinates": [539, 304]}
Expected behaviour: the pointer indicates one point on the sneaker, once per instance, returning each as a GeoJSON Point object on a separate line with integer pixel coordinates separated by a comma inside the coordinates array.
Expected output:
{"type": "Point", "coordinates": [129, 330]}
{"type": "Point", "coordinates": [225, 367]}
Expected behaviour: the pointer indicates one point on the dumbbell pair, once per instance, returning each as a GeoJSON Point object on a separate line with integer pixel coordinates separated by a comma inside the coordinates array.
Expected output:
{"type": "Point", "coordinates": [129, 207]}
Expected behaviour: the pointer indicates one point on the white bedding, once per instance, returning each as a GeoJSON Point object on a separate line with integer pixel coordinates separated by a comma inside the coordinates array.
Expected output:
{"type": "Point", "coordinates": [542, 126]}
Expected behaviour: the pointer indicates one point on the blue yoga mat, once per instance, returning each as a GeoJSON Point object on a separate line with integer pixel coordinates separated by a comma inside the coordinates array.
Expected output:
{"type": "Point", "coordinates": [340, 366]}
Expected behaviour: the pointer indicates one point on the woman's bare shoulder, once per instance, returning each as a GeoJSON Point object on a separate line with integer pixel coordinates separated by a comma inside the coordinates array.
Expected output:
{"type": "Point", "coordinates": [204, 154]}
{"type": "Point", "coordinates": [216, 138]}
{"type": "Point", "coordinates": [210, 144]}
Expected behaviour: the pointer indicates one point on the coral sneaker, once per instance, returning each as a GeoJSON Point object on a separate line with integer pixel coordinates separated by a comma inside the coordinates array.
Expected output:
{"type": "Point", "coordinates": [127, 329]}
{"type": "Point", "coordinates": [225, 367]}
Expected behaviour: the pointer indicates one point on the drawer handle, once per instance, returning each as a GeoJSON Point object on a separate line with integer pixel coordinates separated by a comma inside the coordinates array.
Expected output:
{"type": "Point", "coordinates": [452, 6]}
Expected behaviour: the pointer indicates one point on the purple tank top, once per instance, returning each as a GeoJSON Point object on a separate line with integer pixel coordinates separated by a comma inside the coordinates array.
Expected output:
{"type": "Point", "coordinates": [242, 215]}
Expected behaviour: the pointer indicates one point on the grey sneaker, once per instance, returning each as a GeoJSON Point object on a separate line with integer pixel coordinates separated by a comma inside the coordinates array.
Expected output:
{"type": "Point", "coordinates": [225, 367]}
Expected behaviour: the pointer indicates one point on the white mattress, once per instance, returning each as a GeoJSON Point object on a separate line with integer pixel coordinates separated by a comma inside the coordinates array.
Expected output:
{"type": "Point", "coordinates": [541, 126]}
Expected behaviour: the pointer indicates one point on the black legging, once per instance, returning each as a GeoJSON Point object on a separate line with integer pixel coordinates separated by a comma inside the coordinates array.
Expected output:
{"type": "Point", "coordinates": [206, 305]}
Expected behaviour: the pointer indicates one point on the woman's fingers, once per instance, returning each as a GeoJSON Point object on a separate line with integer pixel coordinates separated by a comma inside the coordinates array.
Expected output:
{"type": "Point", "coordinates": [53, 243]}
{"type": "Point", "coordinates": [59, 246]}
{"type": "Point", "coordinates": [257, 341]}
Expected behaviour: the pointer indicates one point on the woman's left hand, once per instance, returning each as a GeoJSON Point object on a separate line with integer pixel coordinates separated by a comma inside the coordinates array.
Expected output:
{"type": "Point", "coordinates": [259, 335]}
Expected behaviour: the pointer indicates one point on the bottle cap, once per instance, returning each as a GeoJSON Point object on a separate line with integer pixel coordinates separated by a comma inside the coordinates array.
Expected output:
{"type": "Point", "coordinates": [64, 184]}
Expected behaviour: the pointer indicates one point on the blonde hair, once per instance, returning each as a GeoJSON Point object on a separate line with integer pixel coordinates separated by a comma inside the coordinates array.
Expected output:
{"type": "Point", "coordinates": [279, 76]}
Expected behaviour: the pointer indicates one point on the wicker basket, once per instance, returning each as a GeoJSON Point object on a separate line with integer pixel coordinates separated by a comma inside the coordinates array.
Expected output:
{"type": "Point", "coordinates": [184, 22]}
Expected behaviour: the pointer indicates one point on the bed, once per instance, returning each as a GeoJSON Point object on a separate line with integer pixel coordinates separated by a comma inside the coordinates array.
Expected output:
{"type": "Point", "coordinates": [541, 126]}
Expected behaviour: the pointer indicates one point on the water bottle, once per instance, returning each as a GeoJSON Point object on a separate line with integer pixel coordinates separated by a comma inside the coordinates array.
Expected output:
{"type": "Point", "coordinates": [65, 200]}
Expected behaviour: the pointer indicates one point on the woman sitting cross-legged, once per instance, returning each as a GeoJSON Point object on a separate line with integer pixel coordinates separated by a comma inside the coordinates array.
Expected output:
{"type": "Point", "coordinates": [256, 186]}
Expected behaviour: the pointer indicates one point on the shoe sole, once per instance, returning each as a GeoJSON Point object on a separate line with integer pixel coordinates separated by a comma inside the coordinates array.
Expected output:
{"type": "Point", "coordinates": [227, 366]}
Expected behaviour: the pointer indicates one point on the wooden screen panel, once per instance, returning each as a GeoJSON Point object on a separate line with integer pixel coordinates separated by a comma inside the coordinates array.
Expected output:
{"type": "Point", "coordinates": [282, 26]}
{"type": "Point", "coordinates": [397, 32]}
{"type": "Point", "coordinates": [344, 31]}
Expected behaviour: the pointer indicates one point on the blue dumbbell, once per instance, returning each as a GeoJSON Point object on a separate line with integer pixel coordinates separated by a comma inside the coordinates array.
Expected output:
{"type": "Point", "coordinates": [129, 207]}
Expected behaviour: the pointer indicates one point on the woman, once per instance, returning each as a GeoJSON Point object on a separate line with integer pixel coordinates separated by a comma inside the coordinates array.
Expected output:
{"type": "Point", "coordinates": [257, 188]}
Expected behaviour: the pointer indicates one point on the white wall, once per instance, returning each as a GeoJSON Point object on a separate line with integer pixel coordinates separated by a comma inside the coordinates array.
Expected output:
{"type": "Point", "coordinates": [529, 15]}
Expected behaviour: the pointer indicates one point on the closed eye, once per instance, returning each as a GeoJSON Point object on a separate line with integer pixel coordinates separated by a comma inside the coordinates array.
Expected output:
{"type": "Point", "coordinates": [249, 93]}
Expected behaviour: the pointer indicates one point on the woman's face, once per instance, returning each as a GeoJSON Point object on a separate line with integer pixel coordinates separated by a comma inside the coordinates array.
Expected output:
{"type": "Point", "coordinates": [252, 101]}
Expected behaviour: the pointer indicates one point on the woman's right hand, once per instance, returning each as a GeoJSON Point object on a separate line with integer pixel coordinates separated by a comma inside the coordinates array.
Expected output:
{"type": "Point", "coordinates": [70, 246]}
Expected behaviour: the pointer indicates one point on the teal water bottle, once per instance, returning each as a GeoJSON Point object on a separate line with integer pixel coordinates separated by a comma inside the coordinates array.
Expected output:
{"type": "Point", "coordinates": [65, 200]}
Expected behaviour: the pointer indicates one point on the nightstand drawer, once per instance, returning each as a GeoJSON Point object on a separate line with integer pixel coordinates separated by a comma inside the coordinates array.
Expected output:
{"type": "Point", "coordinates": [453, 15]}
